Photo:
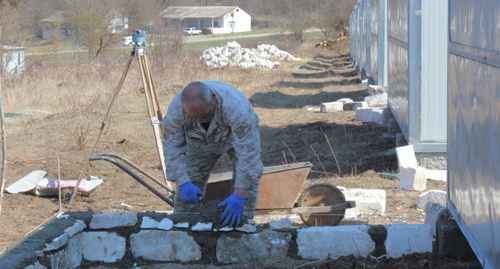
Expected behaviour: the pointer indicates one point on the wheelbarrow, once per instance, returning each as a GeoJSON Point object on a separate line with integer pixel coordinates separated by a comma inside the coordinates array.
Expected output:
{"type": "Point", "coordinates": [320, 204]}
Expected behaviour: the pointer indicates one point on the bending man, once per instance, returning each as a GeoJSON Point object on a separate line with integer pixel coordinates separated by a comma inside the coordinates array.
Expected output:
{"type": "Point", "coordinates": [205, 120]}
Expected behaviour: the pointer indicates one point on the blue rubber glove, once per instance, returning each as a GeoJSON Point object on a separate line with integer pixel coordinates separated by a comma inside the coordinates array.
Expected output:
{"type": "Point", "coordinates": [234, 206]}
{"type": "Point", "coordinates": [190, 192]}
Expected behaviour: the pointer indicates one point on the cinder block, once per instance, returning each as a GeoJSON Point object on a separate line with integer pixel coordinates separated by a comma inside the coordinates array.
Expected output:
{"type": "Point", "coordinates": [379, 100]}
{"type": "Point", "coordinates": [404, 239]}
{"type": "Point", "coordinates": [451, 241]}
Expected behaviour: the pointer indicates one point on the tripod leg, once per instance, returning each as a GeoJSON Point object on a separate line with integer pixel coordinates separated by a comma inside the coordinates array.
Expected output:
{"type": "Point", "coordinates": [154, 110]}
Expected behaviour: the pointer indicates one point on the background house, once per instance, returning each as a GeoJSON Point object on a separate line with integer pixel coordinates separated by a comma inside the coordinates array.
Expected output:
{"type": "Point", "coordinates": [221, 19]}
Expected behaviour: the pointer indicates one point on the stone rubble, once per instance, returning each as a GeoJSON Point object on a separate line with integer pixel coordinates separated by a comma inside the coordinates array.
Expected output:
{"type": "Point", "coordinates": [233, 54]}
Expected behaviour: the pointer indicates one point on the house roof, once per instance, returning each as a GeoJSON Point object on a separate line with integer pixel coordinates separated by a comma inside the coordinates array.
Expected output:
{"type": "Point", "coordinates": [181, 12]}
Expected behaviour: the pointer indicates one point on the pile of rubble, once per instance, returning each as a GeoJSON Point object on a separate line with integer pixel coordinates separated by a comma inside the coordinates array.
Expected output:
{"type": "Point", "coordinates": [330, 42]}
{"type": "Point", "coordinates": [233, 54]}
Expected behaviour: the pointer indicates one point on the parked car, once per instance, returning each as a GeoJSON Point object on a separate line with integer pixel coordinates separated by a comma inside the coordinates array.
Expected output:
{"type": "Point", "coordinates": [191, 31]}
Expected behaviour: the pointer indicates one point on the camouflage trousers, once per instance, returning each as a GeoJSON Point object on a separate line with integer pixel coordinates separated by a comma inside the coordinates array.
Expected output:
{"type": "Point", "coordinates": [200, 164]}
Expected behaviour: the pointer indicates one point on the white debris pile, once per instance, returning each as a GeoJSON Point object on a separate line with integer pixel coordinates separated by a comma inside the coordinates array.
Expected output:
{"type": "Point", "coordinates": [233, 54]}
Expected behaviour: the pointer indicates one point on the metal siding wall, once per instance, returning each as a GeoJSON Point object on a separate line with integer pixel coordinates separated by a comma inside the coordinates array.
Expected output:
{"type": "Point", "coordinates": [398, 81]}
{"type": "Point", "coordinates": [374, 25]}
{"type": "Point", "coordinates": [434, 71]}
{"type": "Point", "coordinates": [473, 124]}
{"type": "Point", "coordinates": [382, 44]}
{"type": "Point", "coordinates": [362, 35]}
{"type": "Point", "coordinates": [368, 38]}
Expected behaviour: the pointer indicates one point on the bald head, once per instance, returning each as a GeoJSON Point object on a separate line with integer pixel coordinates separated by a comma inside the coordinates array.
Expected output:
{"type": "Point", "coordinates": [198, 101]}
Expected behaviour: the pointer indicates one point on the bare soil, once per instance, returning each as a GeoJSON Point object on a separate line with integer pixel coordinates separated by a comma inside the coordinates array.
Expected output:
{"type": "Point", "coordinates": [344, 152]}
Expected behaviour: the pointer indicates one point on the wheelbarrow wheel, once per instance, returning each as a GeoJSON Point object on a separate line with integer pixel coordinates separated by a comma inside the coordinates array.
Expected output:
{"type": "Point", "coordinates": [321, 194]}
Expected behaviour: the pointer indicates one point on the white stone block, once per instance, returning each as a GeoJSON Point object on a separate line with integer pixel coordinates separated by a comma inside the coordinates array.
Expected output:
{"type": "Point", "coordinates": [331, 107]}
{"type": "Point", "coordinates": [333, 242]}
{"type": "Point", "coordinates": [166, 224]}
{"type": "Point", "coordinates": [285, 223]}
{"type": "Point", "coordinates": [103, 246]}
{"type": "Point", "coordinates": [199, 227]}
{"type": "Point", "coordinates": [164, 246]}
{"type": "Point", "coordinates": [246, 228]}
{"type": "Point", "coordinates": [432, 213]}
{"type": "Point", "coordinates": [435, 196]}
{"type": "Point", "coordinates": [76, 228]}
{"type": "Point", "coordinates": [182, 225]}
{"type": "Point", "coordinates": [375, 89]}
{"type": "Point", "coordinates": [439, 175]}
{"type": "Point", "coordinates": [149, 223]}
{"type": "Point", "coordinates": [369, 114]}
{"type": "Point", "coordinates": [405, 239]}
{"type": "Point", "coordinates": [406, 156]}
{"type": "Point", "coordinates": [112, 220]}
{"type": "Point", "coordinates": [379, 100]}
{"type": "Point", "coordinates": [57, 243]}
{"type": "Point", "coordinates": [368, 201]}
{"type": "Point", "coordinates": [412, 178]}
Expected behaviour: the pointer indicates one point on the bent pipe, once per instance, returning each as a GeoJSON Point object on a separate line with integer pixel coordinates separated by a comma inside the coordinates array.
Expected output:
{"type": "Point", "coordinates": [113, 155]}
{"type": "Point", "coordinates": [136, 177]}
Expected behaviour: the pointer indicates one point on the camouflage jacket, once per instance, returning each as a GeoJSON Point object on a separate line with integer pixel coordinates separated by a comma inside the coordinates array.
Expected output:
{"type": "Point", "coordinates": [234, 124]}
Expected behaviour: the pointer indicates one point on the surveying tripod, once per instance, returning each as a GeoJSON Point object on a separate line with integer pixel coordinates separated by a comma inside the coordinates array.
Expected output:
{"type": "Point", "coordinates": [155, 114]}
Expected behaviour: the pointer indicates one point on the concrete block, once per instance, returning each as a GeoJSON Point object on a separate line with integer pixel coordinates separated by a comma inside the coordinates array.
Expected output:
{"type": "Point", "coordinates": [435, 196]}
{"type": "Point", "coordinates": [368, 201]}
{"type": "Point", "coordinates": [451, 241]}
{"type": "Point", "coordinates": [379, 100]}
{"type": "Point", "coordinates": [404, 239]}
{"type": "Point", "coordinates": [112, 220]}
{"type": "Point", "coordinates": [331, 107]}
{"type": "Point", "coordinates": [103, 246]}
{"type": "Point", "coordinates": [333, 242]}
{"type": "Point", "coordinates": [149, 223]}
{"type": "Point", "coordinates": [355, 105]}
{"type": "Point", "coordinates": [433, 212]}
{"type": "Point", "coordinates": [164, 246]}
{"type": "Point", "coordinates": [263, 245]}
{"type": "Point", "coordinates": [412, 178]}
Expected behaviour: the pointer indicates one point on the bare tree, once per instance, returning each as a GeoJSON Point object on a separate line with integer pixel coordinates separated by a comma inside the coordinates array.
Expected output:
{"type": "Point", "coordinates": [90, 21]}
{"type": "Point", "coordinates": [31, 14]}
{"type": "Point", "coordinates": [300, 17]}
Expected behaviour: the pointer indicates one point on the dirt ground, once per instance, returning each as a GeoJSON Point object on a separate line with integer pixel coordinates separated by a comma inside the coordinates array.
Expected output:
{"type": "Point", "coordinates": [344, 152]}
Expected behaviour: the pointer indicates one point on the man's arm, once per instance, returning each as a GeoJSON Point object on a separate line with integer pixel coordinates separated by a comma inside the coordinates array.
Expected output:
{"type": "Point", "coordinates": [174, 142]}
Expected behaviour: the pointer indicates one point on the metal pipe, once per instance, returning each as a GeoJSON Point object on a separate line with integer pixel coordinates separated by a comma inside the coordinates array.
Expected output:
{"type": "Point", "coordinates": [136, 177]}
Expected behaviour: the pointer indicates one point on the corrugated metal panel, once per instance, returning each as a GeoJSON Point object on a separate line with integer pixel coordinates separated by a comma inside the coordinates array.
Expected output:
{"type": "Point", "coordinates": [374, 25]}
{"type": "Point", "coordinates": [397, 39]}
{"type": "Point", "coordinates": [473, 124]}
{"type": "Point", "coordinates": [434, 51]}
{"type": "Point", "coordinates": [368, 38]}
{"type": "Point", "coordinates": [179, 12]}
